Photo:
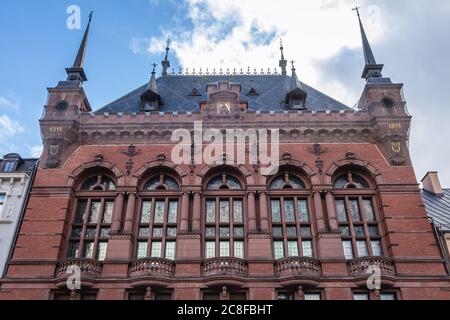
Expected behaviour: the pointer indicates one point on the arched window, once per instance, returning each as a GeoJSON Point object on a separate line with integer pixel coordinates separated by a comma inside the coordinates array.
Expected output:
{"type": "Point", "coordinates": [292, 231]}
{"type": "Point", "coordinates": [224, 217]}
{"type": "Point", "coordinates": [92, 219]}
{"type": "Point", "coordinates": [357, 216]}
{"type": "Point", "coordinates": [158, 220]}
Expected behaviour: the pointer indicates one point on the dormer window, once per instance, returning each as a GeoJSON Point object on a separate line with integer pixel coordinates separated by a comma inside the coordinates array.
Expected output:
{"type": "Point", "coordinates": [150, 105]}
{"type": "Point", "coordinates": [9, 166]}
{"type": "Point", "coordinates": [298, 104]}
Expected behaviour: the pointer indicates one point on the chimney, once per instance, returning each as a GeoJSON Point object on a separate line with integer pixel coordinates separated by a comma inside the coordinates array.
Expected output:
{"type": "Point", "coordinates": [432, 184]}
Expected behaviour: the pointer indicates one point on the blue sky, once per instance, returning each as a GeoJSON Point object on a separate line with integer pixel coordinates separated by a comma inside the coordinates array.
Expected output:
{"type": "Point", "coordinates": [408, 36]}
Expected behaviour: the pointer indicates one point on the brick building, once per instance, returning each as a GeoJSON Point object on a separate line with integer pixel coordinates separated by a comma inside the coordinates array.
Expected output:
{"type": "Point", "coordinates": [109, 199]}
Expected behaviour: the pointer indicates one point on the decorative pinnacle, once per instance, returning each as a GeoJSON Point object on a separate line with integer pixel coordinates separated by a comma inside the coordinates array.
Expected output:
{"type": "Point", "coordinates": [154, 65]}
{"type": "Point", "coordinates": [293, 65]}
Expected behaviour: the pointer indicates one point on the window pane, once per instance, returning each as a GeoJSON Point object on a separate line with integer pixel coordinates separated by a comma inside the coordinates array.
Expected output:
{"type": "Point", "coordinates": [159, 212]}
{"type": "Point", "coordinates": [73, 250]}
{"type": "Point", "coordinates": [238, 211]}
{"type": "Point", "coordinates": [211, 232]}
{"type": "Point", "coordinates": [90, 233]}
{"type": "Point", "coordinates": [142, 250]}
{"type": "Point", "coordinates": [89, 250]}
{"type": "Point", "coordinates": [355, 210]}
{"type": "Point", "coordinates": [348, 250]}
{"type": "Point", "coordinates": [388, 297]}
{"type": "Point", "coordinates": [239, 249]}
{"type": "Point", "coordinates": [76, 233]}
{"type": "Point", "coordinates": [172, 232]}
{"type": "Point", "coordinates": [362, 249]}
{"type": "Point", "coordinates": [306, 232]}
{"type": "Point", "coordinates": [146, 212]}
{"type": "Point", "coordinates": [156, 249]}
{"type": "Point", "coordinates": [307, 249]}
{"type": "Point", "coordinates": [210, 250]}
{"type": "Point", "coordinates": [81, 210]}
{"type": "Point", "coordinates": [303, 210]}
{"type": "Point", "coordinates": [376, 248]}
{"type": "Point", "coordinates": [359, 232]}
{"type": "Point", "coordinates": [144, 232]}
{"type": "Point", "coordinates": [293, 249]}
{"type": "Point", "coordinates": [285, 296]}
{"type": "Point", "coordinates": [289, 212]}
{"type": "Point", "coordinates": [170, 250]}
{"type": "Point", "coordinates": [102, 248]}
{"type": "Point", "coordinates": [278, 248]}
{"type": "Point", "coordinates": [340, 211]}
{"type": "Point", "coordinates": [276, 211]}
{"type": "Point", "coordinates": [95, 212]}
{"type": "Point", "coordinates": [173, 212]}
{"type": "Point", "coordinates": [224, 211]}
{"type": "Point", "coordinates": [211, 212]}
{"type": "Point", "coordinates": [107, 216]}
{"type": "Point", "coordinates": [171, 184]}
{"type": "Point", "coordinates": [239, 232]}
{"type": "Point", "coordinates": [373, 231]}
{"type": "Point", "coordinates": [291, 231]}
{"type": "Point", "coordinates": [224, 249]}
{"type": "Point", "coordinates": [313, 297]}
{"type": "Point", "coordinates": [277, 232]}
{"type": "Point", "coordinates": [224, 232]}
{"type": "Point", "coordinates": [360, 296]}
{"type": "Point", "coordinates": [345, 231]}
{"type": "Point", "coordinates": [104, 232]}
{"type": "Point", "coordinates": [158, 232]}
{"type": "Point", "coordinates": [368, 209]}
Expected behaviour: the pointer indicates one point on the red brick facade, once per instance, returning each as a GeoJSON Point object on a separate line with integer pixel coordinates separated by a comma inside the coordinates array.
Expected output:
{"type": "Point", "coordinates": [371, 143]}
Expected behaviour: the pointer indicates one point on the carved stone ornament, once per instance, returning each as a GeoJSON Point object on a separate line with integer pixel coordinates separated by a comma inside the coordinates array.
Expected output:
{"type": "Point", "coordinates": [54, 153]}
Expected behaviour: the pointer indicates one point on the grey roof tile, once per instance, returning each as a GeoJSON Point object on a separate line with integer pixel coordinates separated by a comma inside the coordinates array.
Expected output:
{"type": "Point", "coordinates": [438, 208]}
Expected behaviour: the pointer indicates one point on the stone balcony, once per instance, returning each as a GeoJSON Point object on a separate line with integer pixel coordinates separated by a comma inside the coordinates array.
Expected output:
{"type": "Point", "coordinates": [89, 268]}
{"type": "Point", "coordinates": [296, 266]}
{"type": "Point", "coordinates": [152, 267]}
{"type": "Point", "coordinates": [360, 266]}
{"type": "Point", "coordinates": [225, 267]}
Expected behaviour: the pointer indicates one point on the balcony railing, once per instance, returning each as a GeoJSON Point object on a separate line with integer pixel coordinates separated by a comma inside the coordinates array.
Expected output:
{"type": "Point", "coordinates": [88, 268]}
{"type": "Point", "coordinates": [298, 266]}
{"type": "Point", "coordinates": [152, 267]}
{"type": "Point", "coordinates": [225, 266]}
{"type": "Point", "coordinates": [360, 266]}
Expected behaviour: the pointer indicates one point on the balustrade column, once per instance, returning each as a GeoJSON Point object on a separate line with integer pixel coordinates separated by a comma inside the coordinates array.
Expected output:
{"type": "Point", "coordinates": [264, 213]}
{"type": "Point", "coordinates": [130, 213]}
{"type": "Point", "coordinates": [196, 216]}
{"type": "Point", "coordinates": [251, 211]}
{"type": "Point", "coordinates": [117, 215]}
{"type": "Point", "coordinates": [334, 225]}
{"type": "Point", "coordinates": [185, 212]}
{"type": "Point", "coordinates": [319, 212]}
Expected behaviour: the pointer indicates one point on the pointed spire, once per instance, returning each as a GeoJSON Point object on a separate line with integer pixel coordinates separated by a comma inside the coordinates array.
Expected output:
{"type": "Point", "coordinates": [295, 83]}
{"type": "Point", "coordinates": [76, 72]}
{"type": "Point", "coordinates": [151, 100]}
{"type": "Point", "coordinates": [283, 62]}
{"type": "Point", "coordinates": [372, 69]}
{"type": "Point", "coordinates": [153, 86]}
{"type": "Point", "coordinates": [166, 63]}
{"type": "Point", "coordinates": [296, 97]}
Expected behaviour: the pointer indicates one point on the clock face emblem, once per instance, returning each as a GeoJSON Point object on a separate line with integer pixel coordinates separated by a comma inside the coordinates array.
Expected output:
{"type": "Point", "coordinates": [223, 108]}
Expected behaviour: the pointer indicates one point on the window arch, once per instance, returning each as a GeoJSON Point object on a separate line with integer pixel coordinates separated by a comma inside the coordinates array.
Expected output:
{"type": "Point", "coordinates": [292, 230]}
{"type": "Point", "coordinates": [357, 215]}
{"type": "Point", "coordinates": [159, 202]}
{"type": "Point", "coordinates": [224, 220]}
{"type": "Point", "coordinates": [92, 220]}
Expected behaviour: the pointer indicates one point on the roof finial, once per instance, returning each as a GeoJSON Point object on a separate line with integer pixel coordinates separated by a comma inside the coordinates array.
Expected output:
{"type": "Point", "coordinates": [283, 62]}
{"type": "Point", "coordinates": [76, 72]}
{"type": "Point", "coordinates": [166, 63]}
{"type": "Point", "coordinates": [372, 69]}
{"type": "Point", "coordinates": [293, 65]}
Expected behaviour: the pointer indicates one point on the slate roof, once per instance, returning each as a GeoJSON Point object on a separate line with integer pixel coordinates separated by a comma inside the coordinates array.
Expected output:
{"type": "Point", "coordinates": [438, 208]}
{"type": "Point", "coordinates": [176, 92]}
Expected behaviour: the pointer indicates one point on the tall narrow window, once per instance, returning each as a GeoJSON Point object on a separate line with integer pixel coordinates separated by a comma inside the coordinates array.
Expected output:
{"type": "Point", "coordinates": [224, 218]}
{"type": "Point", "coordinates": [355, 211]}
{"type": "Point", "coordinates": [92, 219]}
{"type": "Point", "coordinates": [292, 231]}
{"type": "Point", "coordinates": [158, 221]}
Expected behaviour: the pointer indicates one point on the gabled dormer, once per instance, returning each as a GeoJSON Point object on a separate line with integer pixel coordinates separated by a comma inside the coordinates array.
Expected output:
{"type": "Point", "coordinates": [150, 99]}
{"type": "Point", "coordinates": [296, 97]}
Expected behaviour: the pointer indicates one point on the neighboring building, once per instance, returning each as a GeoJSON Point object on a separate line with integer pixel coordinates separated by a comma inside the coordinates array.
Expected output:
{"type": "Point", "coordinates": [437, 205]}
{"type": "Point", "coordinates": [16, 175]}
{"type": "Point", "coordinates": [109, 199]}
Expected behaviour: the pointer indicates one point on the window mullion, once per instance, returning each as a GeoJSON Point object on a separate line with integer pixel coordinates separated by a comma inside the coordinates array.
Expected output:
{"type": "Point", "coordinates": [366, 227]}
{"type": "Point", "coordinates": [84, 229]}
{"type": "Point", "coordinates": [352, 229]}
{"type": "Point", "coordinates": [165, 226]}
{"type": "Point", "coordinates": [231, 226]}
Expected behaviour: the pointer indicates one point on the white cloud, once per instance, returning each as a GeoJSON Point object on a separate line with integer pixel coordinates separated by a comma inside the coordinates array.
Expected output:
{"type": "Point", "coordinates": [36, 151]}
{"type": "Point", "coordinates": [9, 128]}
{"type": "Point", "coordinates": [9, 103]}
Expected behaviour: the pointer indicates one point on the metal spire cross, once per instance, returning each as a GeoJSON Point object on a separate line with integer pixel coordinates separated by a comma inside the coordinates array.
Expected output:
{"type": "Point", "coordinates": [357, 11]}
{"type": "Point", "coordinates": [154, 65]}
{"type": "Point", "coordinates": [293, 64]}
{"type": "Point", "coordinates": [90, 16]}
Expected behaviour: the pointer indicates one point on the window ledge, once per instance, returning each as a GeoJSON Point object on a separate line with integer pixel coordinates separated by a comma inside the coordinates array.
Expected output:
{"type": "Point", "coordinates": [2, 221]}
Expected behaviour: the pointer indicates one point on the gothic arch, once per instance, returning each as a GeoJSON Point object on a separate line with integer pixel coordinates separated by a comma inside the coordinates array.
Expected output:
{"type": "Point", "coordinates": [79, 171]}
{"type": "Point", "coordinates": [300, 165]}
{"type": "Point", "coordinates": [242, 170]}
{"type": "Point", "coordinates": [363, 165]}
{"type": "Point", "coordinates": [154, 165]}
